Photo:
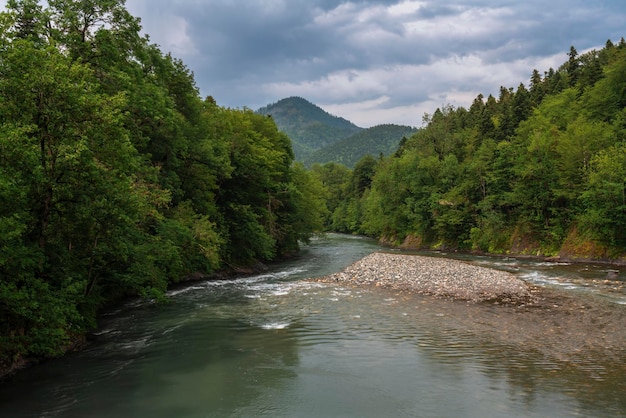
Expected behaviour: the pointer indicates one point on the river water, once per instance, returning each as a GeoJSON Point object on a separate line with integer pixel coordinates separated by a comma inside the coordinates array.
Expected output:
{"type": "Point", "coordinates": [277, 345]}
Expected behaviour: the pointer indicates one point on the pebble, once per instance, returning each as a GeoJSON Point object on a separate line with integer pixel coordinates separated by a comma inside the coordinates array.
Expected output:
{"type": "Point", "coordinates": [434, 276]}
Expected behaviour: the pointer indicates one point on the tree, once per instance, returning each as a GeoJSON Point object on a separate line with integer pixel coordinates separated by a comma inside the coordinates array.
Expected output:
{"type": "Point", "coordinates": [522, 105]}
{"type": "Point", "coordinates": [608, 97]}
{"type": "Point", "coordinates": [486, 124]}
{"type": "Point", "coordinates": [81, 186]}
{"type": "Point", "coordinates": [572, 66]}
{"type": "Point", "coordinates": [117, 180]}
{"type": "Point", "coordinates": [590, 70]}
{"type": "Point", "coordinates": [99, 32]}
{"type": "Point", "coordinates": [334, 179]}
{"type": "Point", "coordinates": [517, 172]}
{"type": "Point", "coordinates": [385, 210]}
{"type": "Point", "coordinates": [605, 196]}
{"type": "Point", "coordinates": [362, 175]}
{"type": "Point", "coordinates": [27, 20]}
{"type": "Point", "coordinates": [537, 89]}
{"type": "Point", "coordinates": [305, 209]}
{"type": "Point", "coordinates": [253, 199]}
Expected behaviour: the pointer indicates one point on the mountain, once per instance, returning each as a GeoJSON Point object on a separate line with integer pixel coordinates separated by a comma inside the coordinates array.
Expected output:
{"type": "Point", "coordinates": [381, 139]}
{"type": "Point", "coordinates": [309, 127]}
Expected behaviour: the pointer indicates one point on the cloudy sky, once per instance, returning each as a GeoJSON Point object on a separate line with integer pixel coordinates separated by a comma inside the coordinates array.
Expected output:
{"type": "Point", "coordinates": [373, 61]}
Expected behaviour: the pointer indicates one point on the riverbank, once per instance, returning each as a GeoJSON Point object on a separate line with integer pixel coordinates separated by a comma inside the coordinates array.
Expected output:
{"type": "Point", "coordinates": [497, 305]}
{"type": "Point", "coordinates": [575, 249]}
{"type": "Point", "coordinates": [435, 276]}
{"type": "Point", "coordinates": [79, 341]}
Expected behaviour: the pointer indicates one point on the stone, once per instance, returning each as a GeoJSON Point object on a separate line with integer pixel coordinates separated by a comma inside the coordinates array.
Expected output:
{"type": "Point", "coordinates": [435, 276]}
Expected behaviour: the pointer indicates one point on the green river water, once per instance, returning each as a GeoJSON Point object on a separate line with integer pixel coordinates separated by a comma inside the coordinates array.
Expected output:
{"type": "Point", "coordinates": [277, 345]}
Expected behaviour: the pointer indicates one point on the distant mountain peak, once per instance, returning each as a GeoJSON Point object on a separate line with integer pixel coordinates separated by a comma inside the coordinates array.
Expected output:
{"type": "Point", "coordinates": [308, 126]}
{"type": "Point", "coordinates": [319, 137]}
{"type": "Point", "coordinates": [305, 108]}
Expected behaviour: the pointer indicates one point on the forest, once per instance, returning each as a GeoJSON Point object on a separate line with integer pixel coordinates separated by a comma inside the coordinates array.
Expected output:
{"type": "Point", "coordinates": [309, 127]}
{"type": "Point", "coordinates": [320, 137]}
{"type": "Point", "coordinates": [377, 140]}
{"type": "Point", "coordinates": [118, 180]}
{"type": "Point", "coordinates": [539, 170]}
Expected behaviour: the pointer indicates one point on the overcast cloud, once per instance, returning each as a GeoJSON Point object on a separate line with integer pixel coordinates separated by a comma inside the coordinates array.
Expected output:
{"type": "Point", "coordinates": [373, 62]}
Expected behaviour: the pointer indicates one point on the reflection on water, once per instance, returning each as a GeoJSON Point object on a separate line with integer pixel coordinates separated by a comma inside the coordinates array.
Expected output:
{"type": "Point", "coordinates": [278, 345]}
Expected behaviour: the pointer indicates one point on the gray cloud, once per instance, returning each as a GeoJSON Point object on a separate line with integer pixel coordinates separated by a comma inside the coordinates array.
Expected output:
{"type": "Point", "coordinates": [373, 61]}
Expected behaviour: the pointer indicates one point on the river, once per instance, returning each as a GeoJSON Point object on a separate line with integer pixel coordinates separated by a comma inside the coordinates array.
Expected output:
{"type": "Point", "coordinates": [278, 345]}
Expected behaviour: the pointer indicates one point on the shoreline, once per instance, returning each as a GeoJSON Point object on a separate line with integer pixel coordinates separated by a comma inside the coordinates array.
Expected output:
{"type": "Point", "coordinates": [501, 302]}
{"type": "Point", "coordinates": [560, 325]}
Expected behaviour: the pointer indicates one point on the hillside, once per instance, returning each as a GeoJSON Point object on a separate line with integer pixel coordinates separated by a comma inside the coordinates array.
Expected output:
{"type": "Point", "coordinates": [308, 126]}
{"type": "Point", "coordinates": [538, 170]}
{"type": "Point", "coordinates": [381, 139]}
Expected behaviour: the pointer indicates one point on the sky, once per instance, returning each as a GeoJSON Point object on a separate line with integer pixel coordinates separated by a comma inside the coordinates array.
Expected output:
{"type": "Point", "coordinates": [373, 62]}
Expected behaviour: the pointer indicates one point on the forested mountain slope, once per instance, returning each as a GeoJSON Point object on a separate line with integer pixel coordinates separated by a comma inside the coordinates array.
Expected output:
{"type": "Point", "coordinates": [536, 170]}
{"type": "Point", "coordinates": [377, 140]}
{"type": "Point", "coordinates": [308, 126]}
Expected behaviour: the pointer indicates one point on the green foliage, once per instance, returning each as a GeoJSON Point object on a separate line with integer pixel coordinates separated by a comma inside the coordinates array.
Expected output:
{"type": "Point", "coordinates": [308, 126]}
{"type": "Point", "coordinates": [307, 209]}
{"type": "Point", "coordinates": [346, 192]}
{"type": "Point", "coordinates": [388, 206]}
{"type": "Point", "coordinates": [253, 199]}
{"type": "Point", "coordinates": [514, 173]}
{"type": "Point", "coordinates": [605, 196]}
{"type": "Point", "coordinates": [378, 140]}
{"type": "Point", "coordinates": [117, 180]}
{"type": "Point", "coordinates": [334, 179]}
{"type": "Point", "coordinates": [194, 241]}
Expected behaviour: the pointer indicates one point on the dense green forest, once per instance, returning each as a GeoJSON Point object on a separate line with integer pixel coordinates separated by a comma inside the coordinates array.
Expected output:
{"type": "Point", "coordinates": [309, 127]}
{"type": "Point", "coordinates": [377, 140]}
{"type": "Point", "coordinates": [117, 179]}
{"type": "Point", "coordinates": [319, 137]}
{"type": "Point", "coordinates": [538, 170]}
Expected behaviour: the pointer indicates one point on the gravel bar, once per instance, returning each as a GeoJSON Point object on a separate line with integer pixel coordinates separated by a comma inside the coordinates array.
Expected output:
{"type": "Point", "coordinates": [440, 277]}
